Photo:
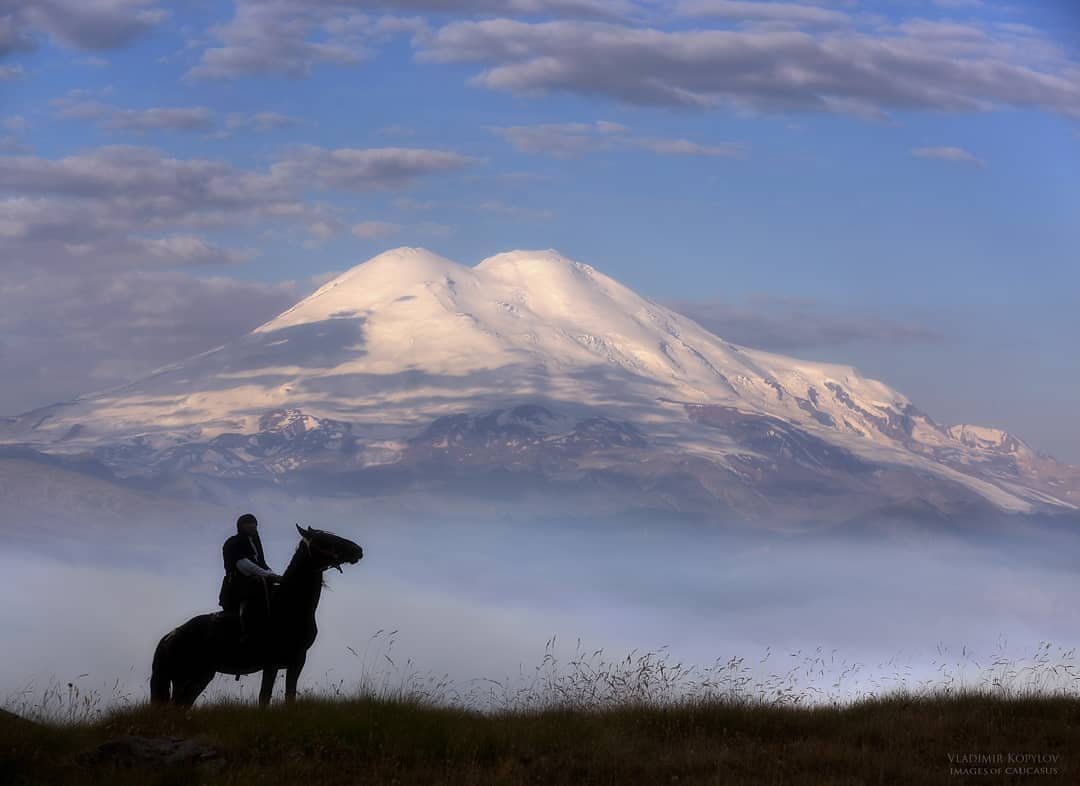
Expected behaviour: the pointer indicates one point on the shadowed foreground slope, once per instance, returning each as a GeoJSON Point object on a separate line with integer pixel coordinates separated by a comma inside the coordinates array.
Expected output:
{"type": "Point", "coordinates": [899, 740]}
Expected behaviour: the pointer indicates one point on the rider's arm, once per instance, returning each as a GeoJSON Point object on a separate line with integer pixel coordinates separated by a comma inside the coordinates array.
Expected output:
{"type": "Point", "coordinates": [249, 568]}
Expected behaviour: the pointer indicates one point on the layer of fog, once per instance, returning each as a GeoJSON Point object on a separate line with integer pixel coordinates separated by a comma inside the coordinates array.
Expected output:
{"type": "Point", "coordinates": [469, 603]}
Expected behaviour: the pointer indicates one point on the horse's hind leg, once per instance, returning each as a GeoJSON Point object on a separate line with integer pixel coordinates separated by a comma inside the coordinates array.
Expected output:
{"type": "Point", "coordinates": [159, 686]}
{"type": "Point", "coordinates": [161, 676]}
{"type": "Point", "coordinates": [188, 688]}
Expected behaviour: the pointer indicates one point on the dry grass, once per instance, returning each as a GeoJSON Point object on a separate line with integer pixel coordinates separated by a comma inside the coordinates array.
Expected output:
{"type": "Point", "coordinates": [636, 719]}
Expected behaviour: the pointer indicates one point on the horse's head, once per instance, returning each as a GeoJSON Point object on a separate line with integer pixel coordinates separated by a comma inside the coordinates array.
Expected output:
{"type": "Point", "coordinates": [330, 550]}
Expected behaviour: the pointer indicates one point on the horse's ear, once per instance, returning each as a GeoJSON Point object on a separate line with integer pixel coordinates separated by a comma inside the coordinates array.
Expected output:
{"type": "Point", "coordinates": [304, 535]}
{"type": "Point", "coordinates": [310, 532]}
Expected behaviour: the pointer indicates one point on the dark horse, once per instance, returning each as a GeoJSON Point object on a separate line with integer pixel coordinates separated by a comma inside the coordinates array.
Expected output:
{"type": "Point", "coordinates": [187, 658]}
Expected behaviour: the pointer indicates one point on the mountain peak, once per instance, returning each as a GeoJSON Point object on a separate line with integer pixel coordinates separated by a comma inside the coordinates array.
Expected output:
{"type": "Point", "coordinates": [398, 267]}
{"type": "Point", "coordinates": [542, 268]}
{"type": "Point", "coordinates": [391, 273]}
{"type": "Point", "coordinates": [527, 259]}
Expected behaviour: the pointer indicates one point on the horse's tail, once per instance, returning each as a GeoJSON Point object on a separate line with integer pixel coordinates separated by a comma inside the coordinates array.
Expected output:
{"type": "Point", "coordinates": [160, 676]}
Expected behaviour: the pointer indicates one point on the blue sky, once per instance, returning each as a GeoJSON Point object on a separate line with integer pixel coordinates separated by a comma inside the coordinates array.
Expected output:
{"type": "Point", "coordinates": [889, 184]}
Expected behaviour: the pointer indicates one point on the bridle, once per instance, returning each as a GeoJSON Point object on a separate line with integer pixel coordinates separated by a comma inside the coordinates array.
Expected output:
{"type": "Point", "coordinates": [307, 539]}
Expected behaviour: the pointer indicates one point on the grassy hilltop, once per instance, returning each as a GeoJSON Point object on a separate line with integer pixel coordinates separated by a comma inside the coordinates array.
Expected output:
{"type": "Point", "coordinates": [629, 721]}
{"type": "Point", "coordinates": [898, 740]}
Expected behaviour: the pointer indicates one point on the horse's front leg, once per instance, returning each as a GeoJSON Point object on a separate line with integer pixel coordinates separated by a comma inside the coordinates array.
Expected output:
{"type": "Point", "coordinates": [269, 677]}
{"type": "Point", "coordinates": [292, 674]}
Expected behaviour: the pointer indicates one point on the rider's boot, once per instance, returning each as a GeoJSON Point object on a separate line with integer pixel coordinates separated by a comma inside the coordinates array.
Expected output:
{"type": "Point", "coordinates": [245, 636]}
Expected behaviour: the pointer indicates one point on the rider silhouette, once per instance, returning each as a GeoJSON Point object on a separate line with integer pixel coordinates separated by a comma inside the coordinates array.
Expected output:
{"type": "Point", "coordinates": [245, 589]}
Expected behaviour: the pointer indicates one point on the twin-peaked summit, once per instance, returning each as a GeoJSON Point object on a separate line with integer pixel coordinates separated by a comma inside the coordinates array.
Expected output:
{"type": "Point", "coordinates": [547, 285]}
{"type": "Point", "coordinates": [566, 331]}
{"type": "Point", "coordinates": [424, 312]}
{"type": "Point", "coordinates": [543, 367]}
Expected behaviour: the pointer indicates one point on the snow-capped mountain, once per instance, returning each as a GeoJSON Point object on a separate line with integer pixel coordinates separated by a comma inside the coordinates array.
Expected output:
{"type": "Point", "coordinates": [533, 371]}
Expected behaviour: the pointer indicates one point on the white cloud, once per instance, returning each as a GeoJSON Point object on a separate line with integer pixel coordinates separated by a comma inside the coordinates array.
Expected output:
{"type": "Point", "coordinates": [195, 118]}
{"type": "Point", "coordinates": [569, 140]}
{"type": "Point", "coordinates": [92, 25]}
{"type": "Point", "coordinates": [326, 228]}
{"type": "Point", "coordinates": [684, 147]}
{"type": "Point", "coordinates": [192, 250]}
{"type": "Point", "coordinates": [98, 206]}
{"type": "Point", "coordinates": [363, 169]}
{"type": "Point", "coordinates": [956, 154]}
{"type": "Point", "coordinates": [747, 11]}
{"type": "Point", "coordinates": [926, 66]}
{"type": "Point", "coordinates": [136, 186]}
{"type": "Point", "coordinates": [292, 37]}
{"type": "Point", "coordinates": [562, 140]}
{"type": "Point", "coordinates": [275, 38]}
{"type": "Point", "coordinates": [259, 121]}
{"type": "Point", "coordinates": [369, 230]}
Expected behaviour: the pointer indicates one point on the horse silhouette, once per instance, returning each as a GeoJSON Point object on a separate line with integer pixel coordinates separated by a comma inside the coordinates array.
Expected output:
{"type": "Point", "coordinates": [188, 657]}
